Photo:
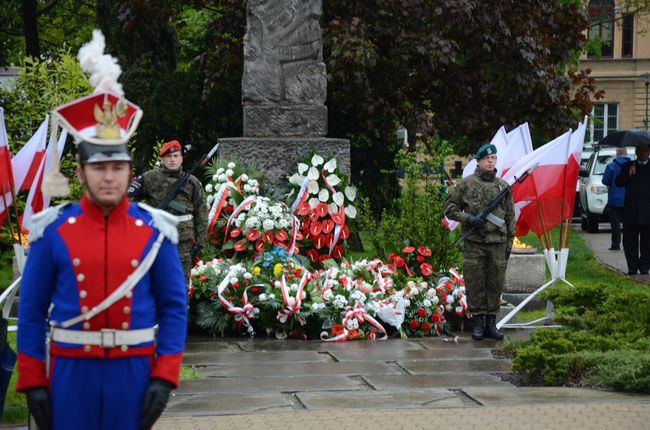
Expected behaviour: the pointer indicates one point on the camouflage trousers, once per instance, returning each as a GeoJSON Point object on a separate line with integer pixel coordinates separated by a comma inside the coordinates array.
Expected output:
{"type": "Point", "coordinates": [185, 251]}
{"type": "Point", "coordinates": [484, 271]}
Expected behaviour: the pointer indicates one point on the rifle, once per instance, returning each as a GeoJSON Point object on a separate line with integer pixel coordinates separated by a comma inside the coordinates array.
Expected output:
{"type": "Point", "coordinates": [167, 201]}
{"type": "Point", "coordinates": [487, 215]}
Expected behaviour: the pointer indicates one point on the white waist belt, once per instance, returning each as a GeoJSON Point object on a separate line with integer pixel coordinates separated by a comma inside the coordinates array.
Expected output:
{"type": "Point", "coordinates": [187, 217]}
{"type": "Point", "coordinates": [106, 338]}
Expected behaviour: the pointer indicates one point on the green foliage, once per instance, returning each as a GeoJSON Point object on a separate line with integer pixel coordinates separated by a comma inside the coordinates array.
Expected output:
{"type": "Point", "coordinates": [15, 403]}
{"type": "Point", "coordinates": [417, 219]}
{"type": "Point", "coordinates": [605, 339]}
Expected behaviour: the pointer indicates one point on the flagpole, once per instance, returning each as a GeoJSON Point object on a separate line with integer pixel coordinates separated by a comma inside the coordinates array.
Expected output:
{"type": "Point", "coordinates": [15, 205]}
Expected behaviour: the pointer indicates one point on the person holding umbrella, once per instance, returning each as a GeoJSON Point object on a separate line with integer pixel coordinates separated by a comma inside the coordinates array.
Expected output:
{"type": "Point", "coordinates": [635, 177]}
{"type": "Point", "coordinates": [615, 196]}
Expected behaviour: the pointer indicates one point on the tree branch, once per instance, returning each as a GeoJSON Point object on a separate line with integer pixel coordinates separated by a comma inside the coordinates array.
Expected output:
{"type": "Point", "coordinates": [47, 8]}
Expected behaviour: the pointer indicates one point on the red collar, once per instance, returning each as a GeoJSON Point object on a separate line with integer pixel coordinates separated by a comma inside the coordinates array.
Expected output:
{"type": "Point", "coordinates": [91, 209]}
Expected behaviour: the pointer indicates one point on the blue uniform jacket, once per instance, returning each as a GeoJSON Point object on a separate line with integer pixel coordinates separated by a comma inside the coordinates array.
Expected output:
{"type": "Point", "coordinates": [83, 256]}
{"type": "Point", "coordinates": [616, 194]}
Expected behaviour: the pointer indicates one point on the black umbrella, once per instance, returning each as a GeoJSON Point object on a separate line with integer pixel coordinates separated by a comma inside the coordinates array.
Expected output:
{"type": "Point", "coordinates": [622, 138]}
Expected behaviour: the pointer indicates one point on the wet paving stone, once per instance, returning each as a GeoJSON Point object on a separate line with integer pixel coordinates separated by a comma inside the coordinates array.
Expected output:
{"type": "Point", "coordinates": [253, 357]}
{"type": "Point", "coordinates": [317, 345]}
{"type": "Point", "coordinates": [453, 365]}
{"type": "Point", "coordinates": [297, 369]}
{"type": "Point", "coordinates": [214, 346]}
{"type": "Point", "coordinates": [409, 354]}
{"type": "Point", "coordinates": [380, 399]}
{"type": "Point", "coordinates": [273, 384]}
{"type": "Point", "coordinates": [440, 380]}
{"type": "Point", "coordinates": [217, 404]}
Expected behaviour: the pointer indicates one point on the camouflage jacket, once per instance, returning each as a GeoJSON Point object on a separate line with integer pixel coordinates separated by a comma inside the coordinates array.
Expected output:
{"type": "Point", "coordinates": [152, 187]}
{"type": "Point", "coordinates": [472, 195]}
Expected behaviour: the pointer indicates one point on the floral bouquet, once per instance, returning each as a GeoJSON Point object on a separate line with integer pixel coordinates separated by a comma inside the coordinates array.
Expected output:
{"type": "Point", "coordinates": [257, 225]}
{"type": "Point", "coordinates": [412, 262]}
{"type": "Point", "coordinates": [424, 314]}
{"type": "Point", "coordinates": [285, 303]}
{"type": "Point", "coordinates": [230, 183]}
{"type": "Point", "coordinates": [349, 301]}
{"type": "Point", "coordinates": [222, 292]}
{"type": "Point", "coordinates": [322, 197]}
{"type": "Point", "coordinates": [451, 291]}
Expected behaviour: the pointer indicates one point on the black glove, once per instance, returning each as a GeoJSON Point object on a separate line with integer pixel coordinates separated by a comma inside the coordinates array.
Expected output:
{"type": "Point", "coordinates": [38, 402]}
{"type": "Point", "coordinates": [476, 222]}
{"type": "Point", "coordinates": [155, 401]}
{"type": "Point", "coordinates": [196, 252]}
{"type": "Point", "coordinates": [508, 251]}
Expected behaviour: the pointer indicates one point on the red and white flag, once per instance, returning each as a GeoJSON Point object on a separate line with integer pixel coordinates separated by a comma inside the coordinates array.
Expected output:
{"type": "Point", "coordinates": [6, 172]}
{"type": "Point", "coordinates": [573, 168]}
{"type": "Point", "coordinates": [546, 185]}
{"type": "Point", "coordinates": [520, 144]}
{"type": "Point", "coordinates": [36, 200]}
{"type": "Point", "coordinates": [28, 160]}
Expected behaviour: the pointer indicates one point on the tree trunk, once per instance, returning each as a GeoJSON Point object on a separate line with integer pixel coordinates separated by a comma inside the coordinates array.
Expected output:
{"type": "Point", "coordinates": [30, 28]}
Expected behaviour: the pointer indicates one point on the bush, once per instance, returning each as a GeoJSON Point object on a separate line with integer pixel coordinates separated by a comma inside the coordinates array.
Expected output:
{"type": "Point", "coordinates": [417, 218]}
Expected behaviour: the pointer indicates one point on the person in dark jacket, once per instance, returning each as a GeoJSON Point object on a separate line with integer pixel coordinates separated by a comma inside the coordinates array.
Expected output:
{"type": "Point", "coordinates": [615, 196]}
{"type": "Point", "coordinates": [635, 177]}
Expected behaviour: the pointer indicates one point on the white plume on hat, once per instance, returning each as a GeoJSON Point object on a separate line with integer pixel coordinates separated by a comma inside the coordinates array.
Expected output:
{"type": "Point", "coordinates": [103, 68]}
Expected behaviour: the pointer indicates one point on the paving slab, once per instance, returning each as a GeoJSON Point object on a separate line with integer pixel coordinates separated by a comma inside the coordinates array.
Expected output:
{"type": "Point", "coordinates": [218, 404]}
{"type": "Point", "coordinates": [298, 369]}
{"type": "Point", "coordinates": [317, 345]}
{"type": "Point", "coordinates": [217, 345]}
{"type": "Point", "coordinates": [277, 384]}
{"type": "Point", "coordinates": [439, 398]}
{"type": "Point", "coordinates": [503, 396]}
{"type": "Point", "coordinates": [410, 354]}
{"type": "Point", "coordinates": [438, 380]}
{"type": "Point", "coordinates": [415, 367]}
{"type": "Point", "coordinates": [261, 358]}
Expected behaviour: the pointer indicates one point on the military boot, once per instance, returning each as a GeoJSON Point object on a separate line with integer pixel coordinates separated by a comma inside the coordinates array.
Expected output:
{"type": "Point", "coordinates": [491, 328]}
{"type": "Point", "coordinates": [479, 327]}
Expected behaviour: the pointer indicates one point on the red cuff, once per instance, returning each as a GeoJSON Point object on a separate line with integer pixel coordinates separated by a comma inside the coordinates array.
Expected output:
{"type": "Point", "coordinates": [31, 373]}
{"type": "Point", "coordinates": [168, 367]}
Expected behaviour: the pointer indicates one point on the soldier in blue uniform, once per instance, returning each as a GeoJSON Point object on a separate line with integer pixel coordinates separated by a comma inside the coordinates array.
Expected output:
{"type": "Point", "coordinates": [102, 273]}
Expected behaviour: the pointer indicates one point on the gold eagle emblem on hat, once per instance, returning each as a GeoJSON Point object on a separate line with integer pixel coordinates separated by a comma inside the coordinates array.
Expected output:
{"type": "Point", "coordinates": [107, 117]}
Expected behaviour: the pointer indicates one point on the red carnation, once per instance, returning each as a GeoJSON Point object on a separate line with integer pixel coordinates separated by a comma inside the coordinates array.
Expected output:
{"type": "Point", "coordinates": [422, 312]}
{"type": "Point", "coordinates": [426, 326]}
{"type": "Point", "coordinates": [408, 250]}
{"type": "Point", "coordinates": [414, 324]}
{"type": "Point", "coordinates": [426, 269]}
{"type": "Point", "coordinates": [423, 250]}
{"type": "Point", "coordinates": [435, 318]}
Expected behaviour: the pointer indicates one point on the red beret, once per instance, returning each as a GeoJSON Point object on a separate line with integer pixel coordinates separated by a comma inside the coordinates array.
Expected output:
{"type": "Point", "coordinates": [169, 147]}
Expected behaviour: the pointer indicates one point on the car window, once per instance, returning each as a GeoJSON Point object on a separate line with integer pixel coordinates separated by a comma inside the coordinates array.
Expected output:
{"type": "Point", "coordinates": [601, 163]}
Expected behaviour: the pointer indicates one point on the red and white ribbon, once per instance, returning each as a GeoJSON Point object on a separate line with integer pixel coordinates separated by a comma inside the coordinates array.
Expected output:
{"type": "Point", "coordinates": [354, 312]}
{"type": "Point", "coordinates": [239, 209]}
{"type": "Point", "coordinates": [302, 195]}
{"type": "Point", "coordinates": [218, 204]}
{"type": "Point", "coordinates": [243, 314]}
{"type": "Point", "coordinates": [292, 309]}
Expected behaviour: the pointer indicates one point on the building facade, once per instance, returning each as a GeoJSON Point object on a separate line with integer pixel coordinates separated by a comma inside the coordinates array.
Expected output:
{"type": "Point", "coordinates": [622, 71]}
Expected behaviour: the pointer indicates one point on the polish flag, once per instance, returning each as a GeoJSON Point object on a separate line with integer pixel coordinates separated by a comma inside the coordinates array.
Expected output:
{"type": "Point", "coordinates": [36, 200]}
{"type": "Point", "coordinates": [573, 168]}
{"type": "Point", "coordinates": [546, 185]}
{"type": "Point", "coordinates": [28, 160]}
{"type": "Point", "coordinates": [520, 144]}
{"type": "Point", "coordinates": [500, 140]}
{"type": "Point", "coordinates": [6, 172]}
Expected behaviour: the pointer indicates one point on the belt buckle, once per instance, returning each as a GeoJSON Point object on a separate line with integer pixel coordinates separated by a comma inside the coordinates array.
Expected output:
{"type": "Point", "coordinates": [108, 338]}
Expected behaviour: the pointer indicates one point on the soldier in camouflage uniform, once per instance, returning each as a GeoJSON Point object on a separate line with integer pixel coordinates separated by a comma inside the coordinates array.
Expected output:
{"type": "Point", "coordinates": [487, 246]}
{"type": "Point", "coordinates": [189, 204]}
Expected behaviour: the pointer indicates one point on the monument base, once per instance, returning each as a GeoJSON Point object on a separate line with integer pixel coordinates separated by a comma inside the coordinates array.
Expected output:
{"type": "Point", "coordinates": [277, 157]}
{"type": "Point", "coordinates": [525, 273]}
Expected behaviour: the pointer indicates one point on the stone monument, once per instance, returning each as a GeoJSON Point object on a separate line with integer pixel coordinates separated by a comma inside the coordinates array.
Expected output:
{"type": "Point", "coordinates": [284, 88]}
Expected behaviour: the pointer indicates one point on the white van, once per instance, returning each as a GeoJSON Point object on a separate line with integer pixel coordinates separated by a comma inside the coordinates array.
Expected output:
{"type": "Point", "coordinates": [593, 194]}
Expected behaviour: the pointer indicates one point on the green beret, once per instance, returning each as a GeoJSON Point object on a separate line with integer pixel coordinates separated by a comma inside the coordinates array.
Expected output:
{"type": "Point", "coordinates": [485, 150]}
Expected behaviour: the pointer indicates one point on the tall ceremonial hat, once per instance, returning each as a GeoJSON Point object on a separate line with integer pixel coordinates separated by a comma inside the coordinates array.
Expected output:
{"type": "Point", "coordinates": [102, 122]}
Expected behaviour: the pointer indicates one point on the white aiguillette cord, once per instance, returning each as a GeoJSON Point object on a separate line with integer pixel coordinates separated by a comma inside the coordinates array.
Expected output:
{"type": "Point", "coordinates": [121, 291]}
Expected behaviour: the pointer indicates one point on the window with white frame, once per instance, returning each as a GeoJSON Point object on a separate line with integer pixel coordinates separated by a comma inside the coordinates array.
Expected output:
{"type": "Point", "coordinates": [604, 120]}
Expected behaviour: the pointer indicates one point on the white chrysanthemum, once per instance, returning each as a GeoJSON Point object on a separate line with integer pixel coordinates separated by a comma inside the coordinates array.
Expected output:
{"type": "Point", "coordinates": [210, 199]}
{"type": "Point", "coordinates": [229, 172]}
{"type": "Point", "coordinates": [450, 299]}
{"type": "Point", "coordinates": [327, 295]}
{"type": "Point", "coordinates": [352, 324]}
{"type": "Point", "coordinates": [248, 275]}
{"type": "Point", "coordinates": [231, 165]}
{"type": "Point", "coordinates": [291, 301]}
{"type": "Point", "coordinates": [244, 177]}
{"type": "Point", "coordinates": [209, 188]}
{"type": "Point", "coordinates": [215, 177]}
{"type": "Point", "coordinates": [293, 287]}
{"type": "Point", "coordinates": [315, 307]}
{"type": "Point", "coordinates": [268, 225]}
{"type": "Point", "coordinates": [234, 280]}
{"type": "Point", "coordinates": [426, 303]}
{"type": "Point", "coordinates": [263, 297]}
{"type": "Point", "coordinates": [220, 170]}
{"type": "Point", "coordinates": [271, 296]}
